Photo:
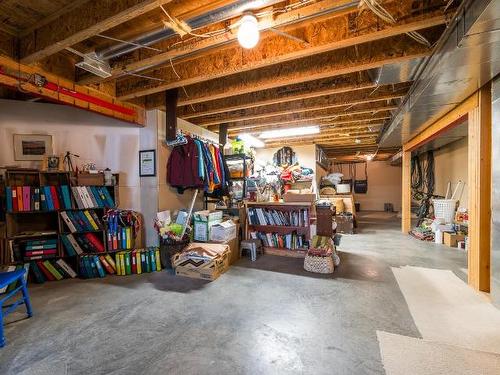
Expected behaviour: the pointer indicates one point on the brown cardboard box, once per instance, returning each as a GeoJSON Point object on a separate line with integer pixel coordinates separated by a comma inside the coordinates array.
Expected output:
{"type": "Point", "coordinates": [451, 239]}
{"type": "Point", "coordinates": [207, 270]}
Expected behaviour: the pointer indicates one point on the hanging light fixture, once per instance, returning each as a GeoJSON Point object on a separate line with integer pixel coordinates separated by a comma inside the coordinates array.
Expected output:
{"type": "Point", "coordinates": [248, 33]}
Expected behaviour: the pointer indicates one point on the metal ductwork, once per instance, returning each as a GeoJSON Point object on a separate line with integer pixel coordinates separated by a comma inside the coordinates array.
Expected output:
{"type": "Point", "coordinates": [466, 57]}
{"type": "Point", "coordinates": [217, 15]}
{"type": "Point", "coordinates": [396, 73]}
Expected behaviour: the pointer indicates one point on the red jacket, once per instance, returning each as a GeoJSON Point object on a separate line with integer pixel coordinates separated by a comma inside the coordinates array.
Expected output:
{"type": "Point", "coordinates": [182, 167]}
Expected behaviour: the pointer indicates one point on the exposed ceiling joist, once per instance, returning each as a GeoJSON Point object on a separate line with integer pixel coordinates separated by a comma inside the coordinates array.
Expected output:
{"type": "Point", "coordinates": [324, 66]}
{"type": "Point", "coordinates": [302, 107]}
{"type": "Point", "coordinates": [291, 93]}
{"type": "Point", "coordinates": [275, 50]}
{"type": "Point", "coordinates": [311, 120]}
{"type": "Point", "coordinates": [81, 23]}
{"type": "Point", "coordinates": [204, 45]}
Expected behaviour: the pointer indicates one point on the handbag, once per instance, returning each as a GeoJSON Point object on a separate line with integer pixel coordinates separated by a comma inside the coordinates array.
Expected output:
{"type": "Point", "coordinates": [361, 186]}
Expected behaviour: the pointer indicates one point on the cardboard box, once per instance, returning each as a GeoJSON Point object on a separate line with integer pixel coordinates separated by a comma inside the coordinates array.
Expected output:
{"type": "Point", "coordinates": [451, 239]}
{"type": "Point", "coordinates": [203, 222]}
{"type": "Point", "coordinates": [208, 270]}
{"type": "Point", "coordinates": [291, 197]}
{"type": "Point", "coordinates": [223, 232]}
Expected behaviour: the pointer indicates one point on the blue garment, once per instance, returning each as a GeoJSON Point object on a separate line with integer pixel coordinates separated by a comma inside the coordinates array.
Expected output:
{"type": "Point", "coordinates": [201, 162]}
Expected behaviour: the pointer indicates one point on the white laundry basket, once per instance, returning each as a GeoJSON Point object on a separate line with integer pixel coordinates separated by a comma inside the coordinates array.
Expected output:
{"type": "Point", "coordinates": [445, 209]}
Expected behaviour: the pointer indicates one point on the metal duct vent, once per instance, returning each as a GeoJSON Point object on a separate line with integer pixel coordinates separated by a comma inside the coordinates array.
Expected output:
{"type": "Point", "coordinates": [91, 63]}
{"type": "Point", "coordinates": [396, 73]}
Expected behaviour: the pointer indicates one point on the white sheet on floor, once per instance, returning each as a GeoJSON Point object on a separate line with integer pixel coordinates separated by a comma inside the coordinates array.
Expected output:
{"type": "Point", "coordinates": [404, 355]}
{"type": "Point", "coordinates": [447, 310]}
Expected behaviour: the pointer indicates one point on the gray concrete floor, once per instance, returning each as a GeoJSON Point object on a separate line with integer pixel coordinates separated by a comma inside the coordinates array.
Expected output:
{"type": "Point", "coordinates": [266, 317]}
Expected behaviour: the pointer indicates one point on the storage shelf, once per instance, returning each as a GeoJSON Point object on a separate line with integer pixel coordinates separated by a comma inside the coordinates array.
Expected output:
{"type": "Point", "coordinates": [278, 228]}
{"type": "Point", "coordinates": [84, 231]}
{"type": "Point", "coordinates": [27, 236]}
{"type": "Point", "coordinates": [31, 212]}
{"type": "Point", "coordinates": [299, 253]}
{"type": "Point", "coordinates": [284, 204]}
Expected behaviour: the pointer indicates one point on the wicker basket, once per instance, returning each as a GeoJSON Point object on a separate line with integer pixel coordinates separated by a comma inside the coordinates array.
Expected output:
{"type": "Point", "coordinates": [318, 264]}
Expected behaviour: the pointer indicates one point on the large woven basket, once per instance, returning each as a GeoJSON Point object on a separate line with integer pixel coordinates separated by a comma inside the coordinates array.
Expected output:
{"type": "Point", "coordinates": [318, 264]}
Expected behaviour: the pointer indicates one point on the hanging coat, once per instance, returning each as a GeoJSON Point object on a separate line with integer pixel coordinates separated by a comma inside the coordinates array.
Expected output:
{"type": "Point", "coordinates": [183, 167]}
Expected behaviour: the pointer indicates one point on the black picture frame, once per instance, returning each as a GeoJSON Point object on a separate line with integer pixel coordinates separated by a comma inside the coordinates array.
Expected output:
{"type": "Point", "coordinates": [148, 156]}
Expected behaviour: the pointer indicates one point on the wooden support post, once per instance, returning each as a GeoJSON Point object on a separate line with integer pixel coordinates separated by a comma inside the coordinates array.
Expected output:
{"type": "Point", "coordinates": [171, 97]}
{"type": "Point", "coordinates": [406, 186]}
{"type": "Point", "coordinates": [479, 190]}
{"type": "Point", "coordinates": [223, 134]}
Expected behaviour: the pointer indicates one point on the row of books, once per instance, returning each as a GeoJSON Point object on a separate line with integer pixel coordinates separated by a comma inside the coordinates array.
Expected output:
{"type": "Point", "coordinates": [264, 216]}
{"type": "Point", "coordinates": [14, 285]}
{"type": "Point", "coordinates": [138, 261]}
{"type": "Point", "coordinates": [51, 270]}
{"type": "Point", "coordinates": [81, 221]}
{"type": "Point", "coordinates": [92, 266]}
{"type": "Point", "coordinates": [78, 244]}
{"type": "Point", "coordinates": [291, 241]}
{"type": "Point", "coordinates": [120, 238]}
{"type": "Point", "coordinates": [125, 263]}
{"type": "Point", "coordinates": [92, 197]}
{"type": "Point", "coordinates": [43, 198]}
{"type": "Point", "coordinates": [40, 249]}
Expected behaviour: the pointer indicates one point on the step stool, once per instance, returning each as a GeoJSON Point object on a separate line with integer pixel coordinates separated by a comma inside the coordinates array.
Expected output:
{"type": "Point", "coordinates": [252, 246]}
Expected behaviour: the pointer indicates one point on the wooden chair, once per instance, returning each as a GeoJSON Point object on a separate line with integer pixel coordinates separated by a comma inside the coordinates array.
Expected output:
{"type": "Point", "coordinates": [7, 278]}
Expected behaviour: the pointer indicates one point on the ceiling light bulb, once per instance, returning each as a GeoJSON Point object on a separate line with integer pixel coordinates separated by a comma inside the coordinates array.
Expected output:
{"type": "Point", "coordinates": [369, 157]}
{"type": "Point", "coordinates": [248, 33]}
{"type": "Point", "coordinates": [358, 141]}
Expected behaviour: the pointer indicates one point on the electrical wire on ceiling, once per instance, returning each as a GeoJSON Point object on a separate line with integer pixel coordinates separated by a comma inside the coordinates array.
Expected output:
{"type": "Point", "coordinates": [383, 14]}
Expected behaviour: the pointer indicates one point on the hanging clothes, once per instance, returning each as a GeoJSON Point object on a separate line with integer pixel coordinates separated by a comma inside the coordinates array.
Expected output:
{"type": "Point", "coordinates": [183, 167]}
{"type": "Point", "coordinates": [198, 164]}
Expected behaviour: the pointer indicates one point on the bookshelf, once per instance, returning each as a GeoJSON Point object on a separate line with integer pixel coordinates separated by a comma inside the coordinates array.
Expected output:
{"type": "Point", "coordinates": [40, 223]}
{"type": "Point", "coordinates": [289, 221]}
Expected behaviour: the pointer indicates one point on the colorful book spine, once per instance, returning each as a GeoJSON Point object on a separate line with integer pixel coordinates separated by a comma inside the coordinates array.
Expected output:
{"type": "Point", "coordinates": [8, 198]}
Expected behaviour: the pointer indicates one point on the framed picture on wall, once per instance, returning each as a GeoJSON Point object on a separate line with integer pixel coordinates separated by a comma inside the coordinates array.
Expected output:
{"type": "Point", "coordinates": [32, 146]}
{"type": "Point", "coordinates": [147, 163]}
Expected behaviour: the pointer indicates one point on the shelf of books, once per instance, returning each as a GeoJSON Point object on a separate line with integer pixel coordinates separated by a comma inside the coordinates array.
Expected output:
{"type": "Point", "coordinates": [283, 228]}
{"type": "Point", "coordinates": [50, 224]}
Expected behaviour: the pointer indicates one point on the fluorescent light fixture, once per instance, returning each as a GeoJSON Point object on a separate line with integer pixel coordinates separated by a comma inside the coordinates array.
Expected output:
{"type": "Point", "coordinates": [290, 132]}
{"type": "Point", "coordinates": [251, 141]}
{"type": "Point", "coordinates": [248, 32]}
{"type": "Point", "coordinates": [357, 140]}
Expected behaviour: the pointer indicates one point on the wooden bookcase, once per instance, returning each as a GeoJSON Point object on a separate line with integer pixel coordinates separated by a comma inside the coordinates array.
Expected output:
{"type": "Point", "coordinates": [21, 226]}
{"type": "Point", "coordinates": [281, 229]}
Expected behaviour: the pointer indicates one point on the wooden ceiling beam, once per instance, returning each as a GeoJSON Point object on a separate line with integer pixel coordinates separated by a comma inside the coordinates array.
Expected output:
{"type": "Point", "coordinates": [274, 50]}
{"type": "Point", "coordinates": [82, 22]}
{"type": "Point", "coordinates": [308, 90]}
{"type": "Point", "coordinates": [311, 119]}
{"type": "Point", "coordinates": [350, 60]}
{"type": "Point", "coordinates": [344, 125]}
{"type": "Point", "coordinates": [204, 45]}
{"type": "Point", "coordinates": [302, 107]}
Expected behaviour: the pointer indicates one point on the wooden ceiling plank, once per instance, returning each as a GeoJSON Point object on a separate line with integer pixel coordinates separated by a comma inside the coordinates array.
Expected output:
{"type": "Point", "coordinates": [302, 108]}
{"type": "Point", "coordinates": [374, 55]}
{"type": "Point", "coordinates": [234, 60]}
{"type": "Point", "coordinates": [276, 96]}
{"type": "Point", "coordinates": [312, 120]}
{"type": "Point", "coordinates": [62, 11]}
{"type": "Point", "coordinates": [79, 24]}
{"type": "Point", "coordinates": [207, 44]}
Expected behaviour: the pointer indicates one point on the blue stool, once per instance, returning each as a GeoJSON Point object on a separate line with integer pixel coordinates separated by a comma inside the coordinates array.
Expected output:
{"type": "Point", "coordinates": [7, 278]}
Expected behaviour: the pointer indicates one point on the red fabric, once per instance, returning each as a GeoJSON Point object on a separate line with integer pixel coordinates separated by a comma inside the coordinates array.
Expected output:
{"type": "Point", "coordinates": [182, 166]}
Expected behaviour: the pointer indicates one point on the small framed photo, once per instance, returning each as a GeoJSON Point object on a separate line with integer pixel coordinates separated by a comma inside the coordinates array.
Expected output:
{"type": "Point", "coordinates": [147, 163]}
{"type": "Point", "coordinates": [32, 146]}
